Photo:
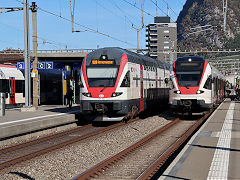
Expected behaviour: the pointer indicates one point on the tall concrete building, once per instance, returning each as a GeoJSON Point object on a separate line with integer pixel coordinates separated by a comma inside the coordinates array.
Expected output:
{"type": "Point", "coordinates": [162, 39]}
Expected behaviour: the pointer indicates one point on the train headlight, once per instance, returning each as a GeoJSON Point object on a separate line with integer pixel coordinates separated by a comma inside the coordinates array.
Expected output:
{"type": "Point", "coordinates": [87, 94]}
{"type": "Point", "coordinates": [115, 94]}
{"type": "Point", "coordinates": [177, 92]}
{"type": "Point", "coordinates": [200, 91]}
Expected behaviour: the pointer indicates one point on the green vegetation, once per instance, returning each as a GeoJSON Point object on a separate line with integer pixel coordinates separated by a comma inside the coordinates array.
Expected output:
{"type": "Point", "coordinates": [233, 43]}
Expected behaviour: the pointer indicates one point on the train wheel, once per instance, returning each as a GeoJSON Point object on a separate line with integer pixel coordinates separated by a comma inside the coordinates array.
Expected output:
{"type": "Point", "coordinates": [134, 111]}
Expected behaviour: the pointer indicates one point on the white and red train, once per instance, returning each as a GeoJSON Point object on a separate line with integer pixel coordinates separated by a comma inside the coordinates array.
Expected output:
{"type": "Point", "coordinates": [115, 81]}
{"type": "Point", "coordinates": [12, 84]}
{"type": "Point", "coordinates": [197, 85]}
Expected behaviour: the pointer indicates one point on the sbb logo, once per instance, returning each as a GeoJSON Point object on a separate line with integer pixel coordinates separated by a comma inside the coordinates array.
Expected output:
{"type": "Point", "coordinates": [101, 95]}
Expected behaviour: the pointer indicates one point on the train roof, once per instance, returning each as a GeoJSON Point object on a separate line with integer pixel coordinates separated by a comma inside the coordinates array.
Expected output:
{"type": "Point", "coordinates": [8, 71]}
{"type": "Point", "coordinates": [116, 53]}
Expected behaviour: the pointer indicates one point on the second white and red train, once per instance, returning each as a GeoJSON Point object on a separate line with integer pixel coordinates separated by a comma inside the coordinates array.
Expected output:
{"type": "Point", "coordinates": [197, 85]}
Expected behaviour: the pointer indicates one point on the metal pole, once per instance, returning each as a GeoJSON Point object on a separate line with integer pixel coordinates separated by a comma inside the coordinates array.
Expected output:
{"type": "Point", "coordinates": [35, 61]}
{"type": "Point", "coordinates": [63, 87]}
{"type": "Point", "coordinates": [224, 15]}
{"type": "Point", "coordinates": [2, 102]}
{"type": "Point", "coordinates": [26, 54]}
{"type": "Point", "coordinates": [138, 39]}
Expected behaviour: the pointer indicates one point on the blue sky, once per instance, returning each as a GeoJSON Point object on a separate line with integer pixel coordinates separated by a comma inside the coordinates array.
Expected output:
{"type": "Point", "coordinates": [111, 17]}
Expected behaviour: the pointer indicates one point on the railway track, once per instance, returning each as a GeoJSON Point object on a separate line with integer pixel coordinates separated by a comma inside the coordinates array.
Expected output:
{"type": "Point", "coordinates": [144, 159]}
{"type": "Point", "coordinates": [25, 151]}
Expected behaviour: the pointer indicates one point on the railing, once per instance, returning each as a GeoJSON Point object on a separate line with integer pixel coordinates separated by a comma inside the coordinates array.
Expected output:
{"type": "Point", "coordinates": [12, 52]}
{"type": "Point", "coordinates": [145, 50]}
{"type": "Point", "coordinates": [66, 51]}
{"type": "Point", "coordinates": [50, 51]}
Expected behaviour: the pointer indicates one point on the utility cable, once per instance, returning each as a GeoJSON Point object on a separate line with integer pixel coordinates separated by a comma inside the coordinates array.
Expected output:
{"type": "Point", "coordinates": [161, 9]}
{"type": "Point", "coordinates": [171, 9]}
{"type": "Point", "coordinates": [87, 28]}
{"type": "Point", "coordinates": [125, 13]}
{"type": "Point", "coordinates": [107, 9]}
{"type": "Point", "coordinates": [44, 39]}
{"type": "Point", "coordinates": [134, 5]}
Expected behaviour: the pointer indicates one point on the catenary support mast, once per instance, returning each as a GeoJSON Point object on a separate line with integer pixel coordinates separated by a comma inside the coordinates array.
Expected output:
{"type": "Point", "coordinates": [27, 54]}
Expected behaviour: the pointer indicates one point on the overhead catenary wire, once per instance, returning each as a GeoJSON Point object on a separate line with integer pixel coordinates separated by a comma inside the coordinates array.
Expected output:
{"type": "Point", "coordinates": [125, 13]}
{"type": "Point", "coordinates": [60, 8]}
{"type": "Point", "coordinates": [44, 39]}
{"type": "Point", "coordinates": [171, 9]}
{"type": "Point", "coordinates": [39, 37]}
{"type": "Point", "coordinates": [180, 2]}
{"type": "Point", "coordinates": [107, 9]}
{"type": "Point", "coordinates": [160, 9]}
{"type": "Point", "coordinates": [134, 5]}
{"type": "Point", "coordinates": [85, 27]}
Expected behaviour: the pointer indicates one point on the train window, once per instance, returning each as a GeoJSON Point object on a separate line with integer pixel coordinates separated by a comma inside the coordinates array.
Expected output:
{"type": "Point", "coordinates": [188, 79]}
{"type": "Point", "coordinates": [102, 76]}
{"type": "Point", "coordinates": [208, 83]}
{"type": "Point", "coordinates": [19, 86]}
{"type": "Point", "coordinates": [4, 85]}
{"type": "Point", "coordinates": [126, 80]}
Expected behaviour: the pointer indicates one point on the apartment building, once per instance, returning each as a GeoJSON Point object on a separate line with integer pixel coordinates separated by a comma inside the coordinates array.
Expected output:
{"type": "Point", "coordinates": [162, 39]}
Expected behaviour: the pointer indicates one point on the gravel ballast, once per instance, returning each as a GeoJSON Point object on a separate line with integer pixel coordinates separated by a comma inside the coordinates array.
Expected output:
{"type": "Point", "coordinates": [70, 161]}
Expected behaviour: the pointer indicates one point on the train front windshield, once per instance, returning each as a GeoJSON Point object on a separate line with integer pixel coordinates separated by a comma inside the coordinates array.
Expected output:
{"type": "Point", "coordinates": [189, 71]}
{"type": "Point", "coordinates": [102, 76]}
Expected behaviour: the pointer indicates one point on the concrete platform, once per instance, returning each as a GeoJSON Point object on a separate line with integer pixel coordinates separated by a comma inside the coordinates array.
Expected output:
{"type": "Point", "coordinates": [214, 151]}
{"type": "Point", "coordinates": [17, 122]}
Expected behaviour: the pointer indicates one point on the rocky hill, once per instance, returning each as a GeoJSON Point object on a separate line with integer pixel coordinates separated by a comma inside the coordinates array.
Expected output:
{"type": "Point", "coordinates": [200, 24]}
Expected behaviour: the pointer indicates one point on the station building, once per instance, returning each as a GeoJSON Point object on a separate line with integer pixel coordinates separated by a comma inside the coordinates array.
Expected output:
{"type": "Point", "coordinates": [53, 82]}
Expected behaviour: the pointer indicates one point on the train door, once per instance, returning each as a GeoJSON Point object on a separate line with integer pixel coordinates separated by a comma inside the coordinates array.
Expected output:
{"type": "Point", "coordinates": [12, 90]}
{"type": "Point", "coordinates": [141, 89]}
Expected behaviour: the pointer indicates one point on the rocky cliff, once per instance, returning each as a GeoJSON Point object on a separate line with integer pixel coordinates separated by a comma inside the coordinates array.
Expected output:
{"type": "Point", "coordinates": [200, 25]}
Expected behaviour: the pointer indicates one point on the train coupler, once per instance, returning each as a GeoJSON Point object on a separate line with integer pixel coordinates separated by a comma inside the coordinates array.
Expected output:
{"type": "Point", "coordinates": [101, 108]}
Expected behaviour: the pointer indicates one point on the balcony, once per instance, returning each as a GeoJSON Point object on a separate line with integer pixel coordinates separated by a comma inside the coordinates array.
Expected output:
{"type": "Point", "coordinates": [153, 38]}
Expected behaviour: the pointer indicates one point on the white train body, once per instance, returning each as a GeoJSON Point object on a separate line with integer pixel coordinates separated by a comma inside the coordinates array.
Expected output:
{"type": "Point", "coordinates": [118, 82]}
{"type": "Point", "coordinates": [197, 85]}
{"type": "Point", "coordinates": [12, 84]}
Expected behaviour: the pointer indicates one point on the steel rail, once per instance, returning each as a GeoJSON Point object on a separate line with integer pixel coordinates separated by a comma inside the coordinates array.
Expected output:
{"type": "Point", "coordinates": [92, 172]}
{"type": "Point", "coordinates": [154, 168]}
{"type": "Point", "coordinates": [8, 162]}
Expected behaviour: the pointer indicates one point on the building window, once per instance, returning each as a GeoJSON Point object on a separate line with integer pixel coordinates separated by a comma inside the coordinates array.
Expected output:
{"type": "Point", "coordinates": [166, 36]}
{"type": "Point", "coordinates": [163, 25]}
{"type": "Point", "coordinates": [166, 47]}
{"type": "Point", "coordinates": [166, 42]}
{"type": "Point", "coordinates": [166, 31]}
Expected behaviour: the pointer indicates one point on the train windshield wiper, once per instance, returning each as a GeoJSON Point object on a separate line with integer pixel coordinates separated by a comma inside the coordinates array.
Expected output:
{"type": "Point", "coordinates": [104, 87]}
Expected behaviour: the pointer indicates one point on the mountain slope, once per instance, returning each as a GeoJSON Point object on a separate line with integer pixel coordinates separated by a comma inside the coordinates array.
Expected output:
{"type": "Point", "coordinates": [200, 24]}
